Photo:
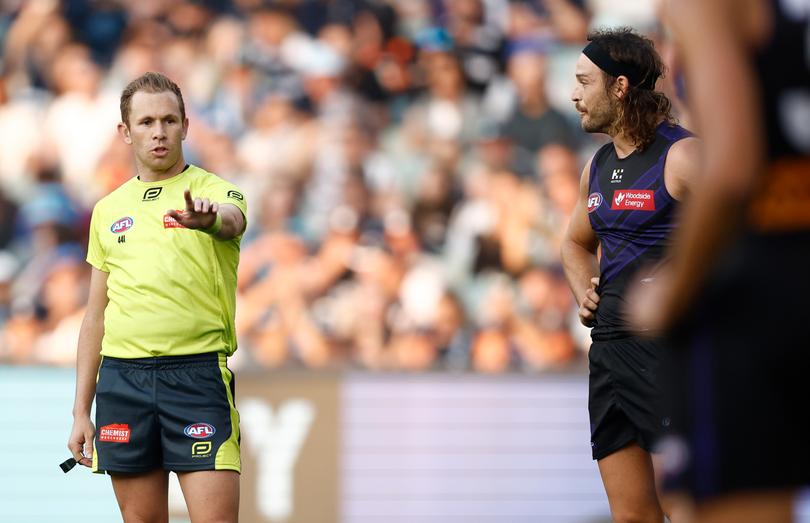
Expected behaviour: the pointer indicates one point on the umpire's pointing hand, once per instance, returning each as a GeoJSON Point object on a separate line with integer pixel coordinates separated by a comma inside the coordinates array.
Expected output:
{"type": "Point", "coordinates": [200, 213]}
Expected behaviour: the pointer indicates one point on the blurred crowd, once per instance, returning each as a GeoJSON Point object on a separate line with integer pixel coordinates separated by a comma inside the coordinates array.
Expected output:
{"type": "Point", "coordinates": [410, 166]}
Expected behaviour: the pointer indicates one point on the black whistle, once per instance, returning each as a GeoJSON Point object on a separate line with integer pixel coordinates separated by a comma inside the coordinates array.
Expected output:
{"type": "Point", "coordinates": [67, 465]}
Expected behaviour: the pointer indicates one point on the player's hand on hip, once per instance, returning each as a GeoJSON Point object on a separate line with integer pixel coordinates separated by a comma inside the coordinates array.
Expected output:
{"type": "Point", "coordinates": [590, 302]}
{"type": "Point", "coordinates": [80, 443]}
{"type": "Point", "coordinates": [200, 213]}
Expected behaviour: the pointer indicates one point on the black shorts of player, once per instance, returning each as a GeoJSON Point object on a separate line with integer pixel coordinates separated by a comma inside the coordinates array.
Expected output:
{"type": "Point", "coordinates": [172, 413]}
{"type": "Point", "coordinates": [738, 381]}
{"type": "Point", "coordinates": [624, 397]}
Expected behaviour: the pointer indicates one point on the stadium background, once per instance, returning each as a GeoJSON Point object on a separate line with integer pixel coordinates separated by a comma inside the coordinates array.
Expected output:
{"type": "Point", "coordinates": [409, 350]}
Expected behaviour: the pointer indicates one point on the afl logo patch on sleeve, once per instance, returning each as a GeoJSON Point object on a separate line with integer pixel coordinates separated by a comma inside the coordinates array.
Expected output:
{"type": "Point", "coordinates": [122, 225]}
{"type": "Point", "coordinates": [594, 201]}
{"type": "Point", "coordinates": [235, 195]}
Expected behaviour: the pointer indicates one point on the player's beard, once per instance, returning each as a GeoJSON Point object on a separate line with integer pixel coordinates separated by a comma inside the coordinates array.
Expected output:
{"type": "Point", "coordinates": [602, 117]}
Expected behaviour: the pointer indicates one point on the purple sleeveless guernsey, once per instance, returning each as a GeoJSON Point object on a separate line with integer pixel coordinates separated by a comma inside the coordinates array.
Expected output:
{"type": "Point", "coordinates": [632, 214]}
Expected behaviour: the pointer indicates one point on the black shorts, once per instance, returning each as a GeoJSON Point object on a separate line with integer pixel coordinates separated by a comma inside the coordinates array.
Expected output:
{"type": "Point", "coordinates": [739, 380]}
{"type": "Point", "coordinates": [624, 397]}
{"type": "Point", "coordinates": [172, 413]}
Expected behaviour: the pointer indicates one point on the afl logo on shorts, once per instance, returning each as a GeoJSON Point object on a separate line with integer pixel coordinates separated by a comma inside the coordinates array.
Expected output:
{"type": "Point", "coordinates": [122, 225]}
{"type": "Point", "coordinates": [199, 430]}
{"type": "Point", "coordinates": [594, 201]}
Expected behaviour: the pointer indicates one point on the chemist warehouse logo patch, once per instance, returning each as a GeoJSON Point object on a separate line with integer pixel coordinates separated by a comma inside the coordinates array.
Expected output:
{"type": "Point", "coordinates": [171, 223]}
{"type": "Point", "coordinates": [115, 433]}
{"type": "Point", "coordinates": [633, 200]}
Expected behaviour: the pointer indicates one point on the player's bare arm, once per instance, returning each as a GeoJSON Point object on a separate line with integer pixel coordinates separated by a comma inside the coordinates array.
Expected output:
{"type": "Point", "coordinates": [729, 168]}
{"type": "Point", "coordinates": [88, 358]}
{"type": "Point", "coordinates": [680, 176]}
{"type": "Point", "coordinates": [683, 168]}
{"type": "Point", "coordinates": [223, 221]}
{"type": "Point", "coordinates": [578, 253]}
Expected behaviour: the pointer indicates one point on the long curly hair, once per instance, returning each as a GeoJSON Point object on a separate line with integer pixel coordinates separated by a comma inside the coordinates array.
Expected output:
{"type": "Point", "coordinates": [639, 110]}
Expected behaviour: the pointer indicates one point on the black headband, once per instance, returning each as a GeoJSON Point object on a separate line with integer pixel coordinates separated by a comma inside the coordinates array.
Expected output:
{"type": "Point", "coordinates": [599, 56]}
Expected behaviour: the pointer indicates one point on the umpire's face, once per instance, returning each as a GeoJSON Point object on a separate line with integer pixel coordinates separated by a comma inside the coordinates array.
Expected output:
{"type": "Point", "coordinates": [156, 130]}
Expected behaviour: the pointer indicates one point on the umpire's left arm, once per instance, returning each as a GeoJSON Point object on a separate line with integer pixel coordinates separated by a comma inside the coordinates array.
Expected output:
{"type": "Point", "coordinates": [88, 358]}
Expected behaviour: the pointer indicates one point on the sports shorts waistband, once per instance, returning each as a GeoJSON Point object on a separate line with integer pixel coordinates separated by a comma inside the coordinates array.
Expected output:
{"type": "Point", "coordinates": [611, 335]}
{"type": "Point", "coordinates": [208, 359]}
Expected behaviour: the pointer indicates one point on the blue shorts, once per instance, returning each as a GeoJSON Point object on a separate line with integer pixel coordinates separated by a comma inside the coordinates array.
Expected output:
{"type": "Point", "coordinates": [174, 413]}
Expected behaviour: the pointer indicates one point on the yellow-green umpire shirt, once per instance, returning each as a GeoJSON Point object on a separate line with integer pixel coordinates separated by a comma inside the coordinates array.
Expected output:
{"type": "Point", "coordinates": [172, 290]}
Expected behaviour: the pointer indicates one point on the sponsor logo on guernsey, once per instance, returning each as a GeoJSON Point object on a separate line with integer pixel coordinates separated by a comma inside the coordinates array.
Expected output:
{"type": "Point", "coordinates": [115, 433]}
{"type": "Point", "coordinates": [151, 194]}
{"type": "Point", "coordinates": [594, 201]}
{"type": "Point", "coordinates": [633, 200]}
{"type": "Point", "coordinates": [201, 449]}
{"type": "Point", "coordinates": [235, 195]}
{"type": "Point", "coordinates": [616, 177]}
{"type": "Point", "coordinates": [199, 430]}
{"type": "Point", "coordinates": [171, 223]}
{"type": "Point", "coordinates": [122, 225]}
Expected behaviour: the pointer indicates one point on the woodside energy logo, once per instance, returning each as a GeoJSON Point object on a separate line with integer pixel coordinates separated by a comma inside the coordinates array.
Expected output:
{"type": "Point", "coordinates": [633, 200]}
